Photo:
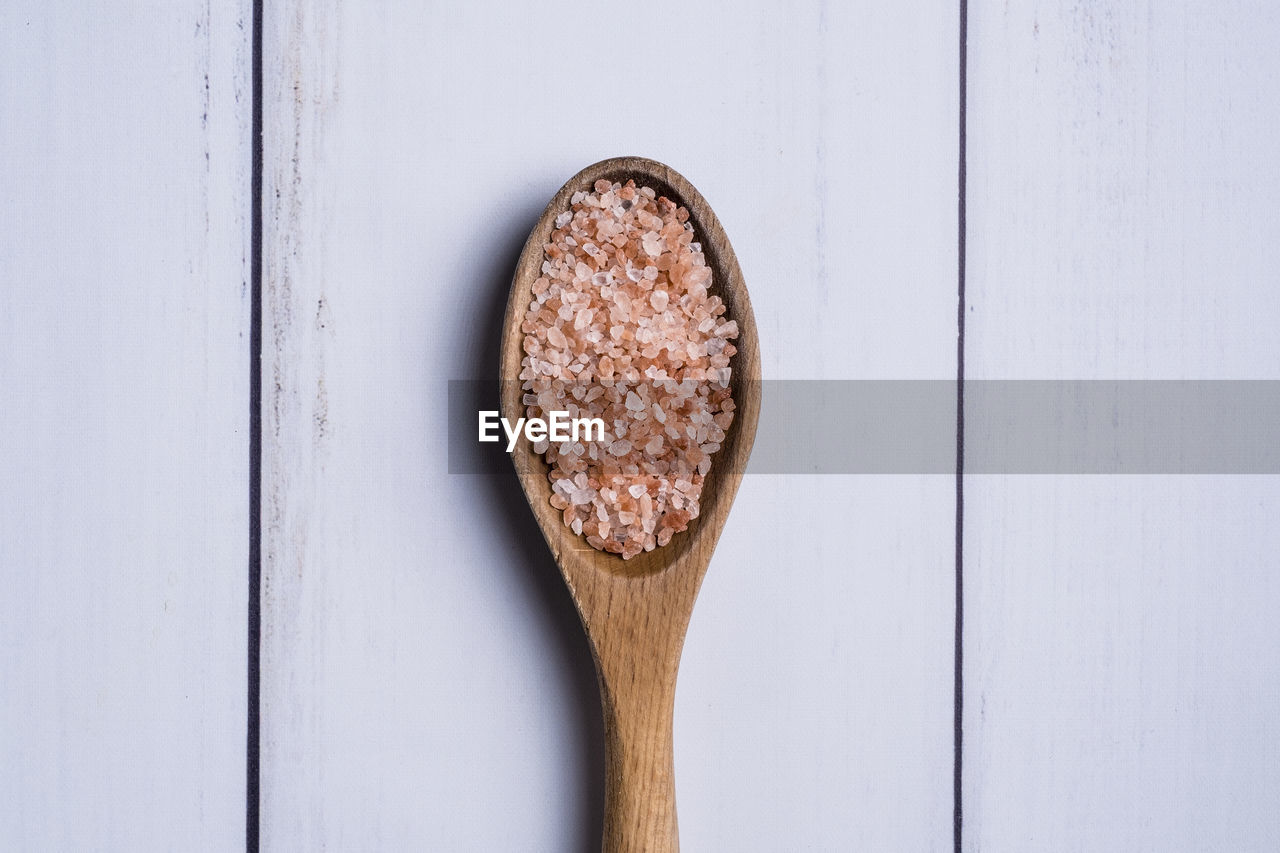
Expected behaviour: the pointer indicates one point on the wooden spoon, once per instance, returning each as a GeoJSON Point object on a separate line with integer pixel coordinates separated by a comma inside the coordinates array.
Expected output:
{"type": "Point", "coordinates": [636, 611]}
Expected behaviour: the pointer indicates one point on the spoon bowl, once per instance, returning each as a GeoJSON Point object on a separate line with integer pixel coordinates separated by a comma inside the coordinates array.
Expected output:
{"type": "Point", "coordinates": [636, 611]}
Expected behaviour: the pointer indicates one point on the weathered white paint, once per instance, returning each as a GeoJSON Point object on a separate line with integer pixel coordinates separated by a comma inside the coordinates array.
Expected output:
{"type": "Point", "coordinates": [124, 399]}
{"type": "Point", "coordinates": [1122, 648]}
{"type": "Point", "coordinates": [425, 682]}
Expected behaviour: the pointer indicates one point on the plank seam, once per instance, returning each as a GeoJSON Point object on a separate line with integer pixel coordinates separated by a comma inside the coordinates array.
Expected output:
{"type": "Point", "coordinates": [254, 675]}
{"type": "Point", "coordinates": [961, 237]}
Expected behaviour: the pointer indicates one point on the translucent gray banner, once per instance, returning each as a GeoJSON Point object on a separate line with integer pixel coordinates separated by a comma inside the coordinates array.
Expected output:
{"type": "Point", "coordinates": [1010, 427]}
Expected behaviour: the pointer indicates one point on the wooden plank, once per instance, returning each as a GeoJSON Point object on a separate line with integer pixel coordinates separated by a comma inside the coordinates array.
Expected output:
{"type": "Point", "coordinates": [1121, 645]}
{"type": "Point", "coordinates": [424, 675]}
{"type": "Point", "coordinates": [124, 387]}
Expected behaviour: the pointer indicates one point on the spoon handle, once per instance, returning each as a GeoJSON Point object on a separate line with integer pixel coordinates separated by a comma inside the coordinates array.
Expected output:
{"type": "Point", "coordinates": [640, 792]}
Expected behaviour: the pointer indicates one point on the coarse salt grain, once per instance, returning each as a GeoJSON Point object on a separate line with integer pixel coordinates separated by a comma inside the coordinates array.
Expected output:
{"type": "Point", "coordinates": [622, 328]}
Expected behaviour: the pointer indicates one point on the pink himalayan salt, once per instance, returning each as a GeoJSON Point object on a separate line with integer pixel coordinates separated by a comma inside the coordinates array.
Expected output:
{"type": "Point", "coordinates": [622, 328]}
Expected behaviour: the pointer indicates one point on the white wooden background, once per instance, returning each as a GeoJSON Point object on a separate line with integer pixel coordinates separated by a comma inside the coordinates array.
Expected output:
{"type": "Point", "coordinates": [124, 435]}
{"type": "Point", "coordinates": [424, 681]}
{"type": "Point", "coordinates": [1122, 645]}
{"type": "Point", "coordinates": [424, 673]}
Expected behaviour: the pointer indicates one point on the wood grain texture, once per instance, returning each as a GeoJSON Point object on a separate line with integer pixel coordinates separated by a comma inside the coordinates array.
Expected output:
{"type": "Point", "coordinates": [124, 398]}
{"type": "Point", "coordinates": [1121, 647]}
{"type": "Point", "coordinates": [636, 611]}
{"type": "Point", "coordinates": [425, 676]}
